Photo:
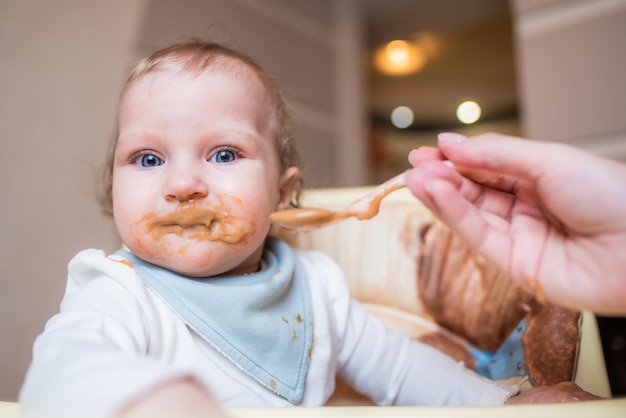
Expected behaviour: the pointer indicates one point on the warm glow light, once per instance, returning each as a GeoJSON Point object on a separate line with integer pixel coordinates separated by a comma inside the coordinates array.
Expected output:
{"type": "Point", "coordinates": [399, 58]}
{"type": "Point", "coordinates": [402, 117]}
{"type": "Point", "coordinates": [397, 51]}
{"type": "Point", "coordinates": [468, 112]}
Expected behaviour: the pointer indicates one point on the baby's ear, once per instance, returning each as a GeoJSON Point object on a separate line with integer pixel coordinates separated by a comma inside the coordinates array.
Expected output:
{"type": "Point", "coordinates": [287, 183]}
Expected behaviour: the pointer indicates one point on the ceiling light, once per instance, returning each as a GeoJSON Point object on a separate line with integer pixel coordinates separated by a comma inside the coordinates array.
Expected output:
{"type": "Point", "coordinates": [468, 112]}
{"type": "Point", "coordinates": [402, 117]}
{"type": "Point", "coordinates": [399, 57]}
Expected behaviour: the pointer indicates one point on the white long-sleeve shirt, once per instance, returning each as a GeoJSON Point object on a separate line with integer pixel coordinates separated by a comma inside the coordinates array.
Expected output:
{"type": "Point", "coordinates": [115, 339]}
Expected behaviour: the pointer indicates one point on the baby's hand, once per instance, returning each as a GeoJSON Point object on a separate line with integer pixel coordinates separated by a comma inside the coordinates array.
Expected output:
{"type": "Point", "coordinates": [561, 392]}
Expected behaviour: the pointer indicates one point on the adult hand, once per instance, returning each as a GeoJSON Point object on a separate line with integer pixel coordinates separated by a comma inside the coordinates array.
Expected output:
{"type": "Point", "coordinates": [552, 216]}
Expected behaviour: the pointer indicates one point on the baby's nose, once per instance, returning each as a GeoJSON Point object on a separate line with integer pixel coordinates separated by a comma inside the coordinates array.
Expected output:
{"type": "Point", "coordinates": [185, 186]}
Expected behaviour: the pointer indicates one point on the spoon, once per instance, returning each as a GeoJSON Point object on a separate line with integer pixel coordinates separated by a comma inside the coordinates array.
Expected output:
{"type": "Point", "coordinates": [363, 208]}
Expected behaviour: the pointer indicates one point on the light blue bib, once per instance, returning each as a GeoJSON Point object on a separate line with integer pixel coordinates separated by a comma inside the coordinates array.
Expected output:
{"type": "Point", "coordinates": [263, 322]}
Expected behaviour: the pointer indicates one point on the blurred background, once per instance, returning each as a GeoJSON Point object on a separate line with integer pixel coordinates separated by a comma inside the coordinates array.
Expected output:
{"type": "Point", "coordinates": [369, 81]}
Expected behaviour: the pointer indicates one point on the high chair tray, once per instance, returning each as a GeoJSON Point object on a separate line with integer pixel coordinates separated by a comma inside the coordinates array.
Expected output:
{"type": "Point", "coordinates": [609, 408]}
{"type": "Point", "coordinates": [606, 409]}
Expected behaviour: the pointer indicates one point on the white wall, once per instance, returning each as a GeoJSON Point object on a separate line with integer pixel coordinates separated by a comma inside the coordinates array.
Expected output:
{"type": "Point", "coordinates": [62, 65]}
{"type": "Point", "coordinates": [572, 70]}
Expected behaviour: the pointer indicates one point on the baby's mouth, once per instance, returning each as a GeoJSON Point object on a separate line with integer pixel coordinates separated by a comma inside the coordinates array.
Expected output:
{"type": "Point", "coordinates": [180, 229]}
{"type": "Point", "coordinates": [201, 224]}
{"type": "Point", "coordinates": [188, 219]}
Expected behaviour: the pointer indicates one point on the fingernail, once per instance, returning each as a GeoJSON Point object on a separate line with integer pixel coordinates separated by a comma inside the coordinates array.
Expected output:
{"type": "Point", "coordinates": [411, 153]}
{"type": "Point", "coordinates": [451, 137]}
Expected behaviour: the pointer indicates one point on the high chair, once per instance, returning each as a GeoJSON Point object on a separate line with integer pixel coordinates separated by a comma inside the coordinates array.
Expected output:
{"type": "Point", "coordinates": [383, 259]}
{"type": "Point", "coordinates": [404, 266]}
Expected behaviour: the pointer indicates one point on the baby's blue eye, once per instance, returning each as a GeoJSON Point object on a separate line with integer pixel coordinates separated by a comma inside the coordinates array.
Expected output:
{"type": "Point", "coordinates": [223, 156]}
{"type": "Point", "coordinates": [150, 160]}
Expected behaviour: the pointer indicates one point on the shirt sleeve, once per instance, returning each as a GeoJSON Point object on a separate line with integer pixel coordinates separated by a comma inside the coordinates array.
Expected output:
{"type": "Point", "coordinates": [393, 369]}
{"type": "Point", "coordinates": [91, 357]}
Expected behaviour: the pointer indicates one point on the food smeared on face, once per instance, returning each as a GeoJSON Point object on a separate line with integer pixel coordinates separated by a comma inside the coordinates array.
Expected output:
{"type": "Point", "coordinates": [199, 222]}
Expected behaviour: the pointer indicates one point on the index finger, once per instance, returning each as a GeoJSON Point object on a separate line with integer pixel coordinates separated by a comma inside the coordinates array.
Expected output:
{"type": "Point", "coordinates": [518, 157]}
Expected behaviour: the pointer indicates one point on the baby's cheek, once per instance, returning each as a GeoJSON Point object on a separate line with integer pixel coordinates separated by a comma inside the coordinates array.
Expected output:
{"type": "Point", "coordinates": [140, 242]}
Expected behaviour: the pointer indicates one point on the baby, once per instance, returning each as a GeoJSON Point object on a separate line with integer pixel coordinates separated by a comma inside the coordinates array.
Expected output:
{"type": "Point", "coordinates": [202, 307]}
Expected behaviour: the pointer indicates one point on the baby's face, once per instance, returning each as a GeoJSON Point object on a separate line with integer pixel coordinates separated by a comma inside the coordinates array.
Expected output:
{"type": "Point", "coordinates": [196, 172]}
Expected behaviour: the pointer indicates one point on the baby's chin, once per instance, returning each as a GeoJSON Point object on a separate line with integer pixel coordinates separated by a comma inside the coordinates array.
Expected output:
{"type": "Point", "coordinates": [189, 267]}
{"type": "Point", "coordinates": [200, 259]}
